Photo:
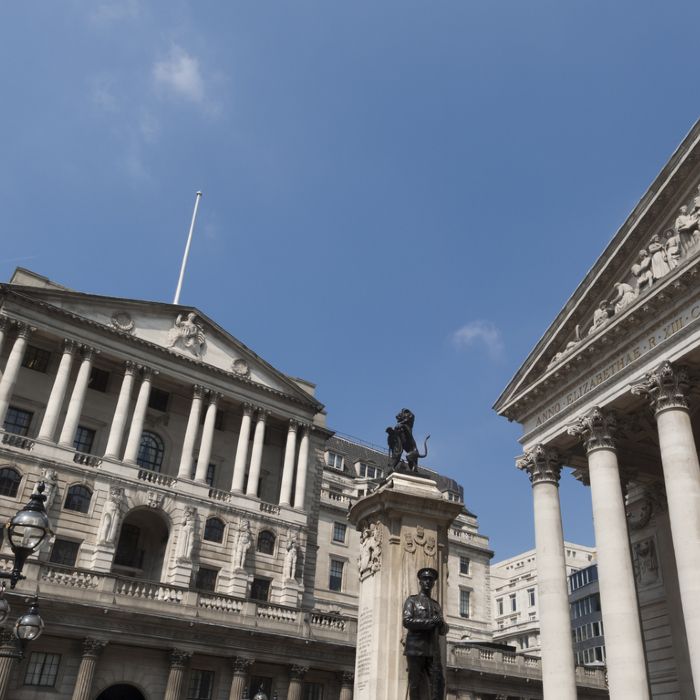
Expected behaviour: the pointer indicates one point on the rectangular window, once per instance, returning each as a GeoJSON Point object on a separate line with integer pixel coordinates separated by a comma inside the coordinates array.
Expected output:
{"type": "Point", "coordinates": [531, 597]}
{"type": "Point", "coordinates": [211, 471]}
{"type": "Point", "coordinates": [464, 603]}
{"type": "Point", "coordinates": [42, 669]}
{"type": "Point", "coordinates": [334, 460]}
{"type": "Point", "coordinates": [260, 589]}
{"type": "Point", "coordinates": [464, 565]}
{"type": "Point", "coordinates": [201, 685]}
{"type": "Point", "coordinates": [524, 642]}
{"type": "Point", "coordinates": [499, 606]}
{"type": "Point", "coordinates": [84, 439]}
{"type": "Point", "coordinates": [36, 358]}
{"type": "Point", "coordinates": [312, 691]}
{"type": "Point", "coordinates": [98, 379]}
{"type": "Point", "coordinates": [158, 400]}
{"type": "Point", "coordinates": [513, 602]}
{"type": "Point", "coordinates": [64, 552]}
{"type": "Point", "coordinates": [18, 421]}
{"type": "Point", "coordinates": [206, 579]}
{"type": "Point", "coordinates": [335, 578]}
{"type": "Point", "coordinates": [339, 530]}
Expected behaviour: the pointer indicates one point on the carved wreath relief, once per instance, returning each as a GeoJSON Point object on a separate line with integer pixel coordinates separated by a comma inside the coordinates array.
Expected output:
{"type": "Point", "coordinates": [663, 254]}
{"type": "Point", "coordinates": [370, 559]}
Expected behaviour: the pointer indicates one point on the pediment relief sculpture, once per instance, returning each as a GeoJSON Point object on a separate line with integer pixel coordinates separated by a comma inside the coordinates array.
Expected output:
{"type": "Point", "coordinates": [662, 254]}
{"type": "Point", "coordinates": [122, 321]}
{"type": "Point", "coordinates": [188, 334]}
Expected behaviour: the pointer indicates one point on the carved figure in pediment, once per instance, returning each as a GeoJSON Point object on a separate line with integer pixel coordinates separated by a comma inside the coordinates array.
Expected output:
{"type": "Point", "coordinates": [601, 316]}
{"type": "Point", "coordinates": [111, 514]}
{"type": "Point", "coordinates": [659, 266]}
{"type": "Point", "coordinates": [625, 294]}
{"type": "Point", "coordinates": [686, 227]}
{"type": "Point", "coordinates": [673, 249]}
{"type": "Point", "coordinates": [642, 271]}
{"type": "Point", "coordinates": [290, 559]}
{"type": "Point", "coordinates": [188, 333]}
{"type": "Point", "coordinates": [185, 539]}
{"type": "Point", "coordinates": [243, 543]}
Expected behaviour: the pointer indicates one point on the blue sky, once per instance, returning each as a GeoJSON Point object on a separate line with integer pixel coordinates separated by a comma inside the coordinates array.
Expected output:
{"type": "Point", "coordinates": [398, 196]}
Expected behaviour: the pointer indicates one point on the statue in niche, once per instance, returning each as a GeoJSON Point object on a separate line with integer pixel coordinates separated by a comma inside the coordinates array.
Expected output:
{"type": "Point", "coordinates": [673, 249]}
{"type": "Point", "coordinates": [243, 543]}
{"type": "Point", "coordinates": [370, 559]}
{"type": "Point", "coordinates": [400, 439]}
{"type": "Point", "coordinates": [111, 515]}
{"type": "Point", "coordinates": [625, 294]}
{"type": "Point", "coordinates": [422, 617]}
{"type": "Point", "coordinates": [185, 540]}
{"type": "Point", "coordinates": [189, 333]}
{"type": "Point", "coordinates": [659, 265]}
{"type": "Point", "coordinates": [290, 559]}
{"type": "Point", "coordinates": [646, 563]}
{"type": "Point", "coordinates": [600, 317]}
{"type": "Point", "coordinates": [642, 271]}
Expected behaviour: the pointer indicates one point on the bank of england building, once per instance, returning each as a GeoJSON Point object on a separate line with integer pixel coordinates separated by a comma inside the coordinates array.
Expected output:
{"type": "Point", "coordinates": [611, 392]}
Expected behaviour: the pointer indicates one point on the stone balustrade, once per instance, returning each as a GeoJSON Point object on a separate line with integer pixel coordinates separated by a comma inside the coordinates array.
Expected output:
{"type": "Point", "coordinates": [156, 478]}
{"type": "Point", "coordinates": [18, 441]}
{"type": "Point", "coordinates": [334, 498]}
{"type": "Point", "coordinates": [87, 460]}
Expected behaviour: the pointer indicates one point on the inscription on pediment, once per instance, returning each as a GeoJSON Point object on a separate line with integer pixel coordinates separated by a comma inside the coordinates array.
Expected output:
{"type": "Point", "coordinates": [663, 253]}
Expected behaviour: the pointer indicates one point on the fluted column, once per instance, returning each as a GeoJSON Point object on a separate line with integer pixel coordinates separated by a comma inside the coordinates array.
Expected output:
{"type": "Point", "coordinates": [624, 646]}
{"type": "Point", "coordinates": [296, 678]}
{"type": "Point", "coordinates": [58, 392]}
{"type": "Point", "coordinates": [288, 469]}
{"type": "Point", "coordinates": [242, 450]}
{"type": "Point", "coordinates": [558, 671]}
{"type": "Point", "coordinates": [116, 431]}
{"type": "Point", "coordinates": [77, 398]}
{"type": "Point", "coordinates": [667, 387]}
{"type": "Point", "coordinates": [241, 667]}
{"type": "Point", "coordinates": [10, 653]}
{"type": "Point", "coordinates": [178, 664]}
{"type": "Point", "coordinates": [207, 437]}
{"type": "Point", "coordinates": [14, 362]}
{"type": "Point", "coordinates": [256, 454]}
{"type": "Point", "coordinates": [133, 442]}
{"type": "Point", "coordinates": [302, 469]}
{"type": "Point", "coordinates": [92, 648]}
{"type": "Point", "coordinates": [4, 327]}
{"type": "Point", "coordinates": [346, 685]}
{"type": "Point", "coordinates": [185, 469]}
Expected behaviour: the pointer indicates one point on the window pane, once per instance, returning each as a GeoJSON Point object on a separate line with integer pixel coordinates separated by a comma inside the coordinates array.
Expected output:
{"type": "Point", "coordinates": [339, 530]}
{"type": "Point", "coordinates": [206, 579]}
{"type": "Point", "coordinates": [464, 603]}
{"type": "Point", "coordinates": [266, 542]}
{"type": "Point", "coordinates": [78, 498]}
{"type": "Point", "coordinates": [42, 669]}
{"type": "Point", "coordinates": [312, 691]}
{"type": "Point", "coordinates": [150, 451]}
{"type": "Point", "coordinates": [211, 471]}
{"type": "Point", "coordinates": [98, 379]}
{"type": "Point", "coordinates": [214, 530]}
{"type": "Point", "coordinates": [64, 552]}
{"type": "Point", "coordinates": [335, 579]}
{"type": "Point", "coordinates": [201, 685]}
{"type": "Point", "coordinates": [260, 589]}
{"type": "Point", "coordinates": [36, 359]}
{"type": "Point", "coordinates": [464, 565]}
{"type": "Point", "coordinates": [9, 482]}
{"type": "Point", "coordinates": [158, 399]}
{"type": "Point", "coordinates": [84, 438]}
{"type": "Point", "coordinates": [18, 420]}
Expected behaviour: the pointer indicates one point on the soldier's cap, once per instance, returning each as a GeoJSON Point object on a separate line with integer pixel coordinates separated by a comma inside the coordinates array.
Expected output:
{"type": "Point", "coordinates": [428, 571]}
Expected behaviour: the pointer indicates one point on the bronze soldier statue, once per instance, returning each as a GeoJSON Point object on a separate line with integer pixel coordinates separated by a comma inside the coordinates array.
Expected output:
{"type": "Point", "coordinates": [422, 617]}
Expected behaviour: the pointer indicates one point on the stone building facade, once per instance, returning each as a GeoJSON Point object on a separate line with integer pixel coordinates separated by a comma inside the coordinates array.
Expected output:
{"type": "Point", "coordinates": [611, 391]}
{"type": "Point", "coordinates": [199, 501]}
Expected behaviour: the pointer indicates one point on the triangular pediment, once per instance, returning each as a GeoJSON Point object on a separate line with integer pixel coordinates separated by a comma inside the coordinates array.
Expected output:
{"type": "Point", "coordinates": [659, 242]}
{"type": "Point", "coordinates": [182, 331]}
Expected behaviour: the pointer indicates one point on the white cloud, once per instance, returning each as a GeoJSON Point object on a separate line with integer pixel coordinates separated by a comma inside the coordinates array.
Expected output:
{"type": "Point", "coordinates": [179, 73]}
{"type": "Point", "coordinates": [484, 332]}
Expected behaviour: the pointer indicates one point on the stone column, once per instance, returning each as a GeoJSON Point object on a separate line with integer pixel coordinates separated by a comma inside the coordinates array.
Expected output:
{"type": "Point", "coordinates": [242, 450]}
{"type": "Point", "coordinates": [288, 469]}
{"type": "Point", "coordinates": [178, 664]}
{"type": "Point", "coordinates": [133, 442]}
{"type": "Point", "coordinates": [302, 469]}
{"type": "Point", "coordinates": [667, 387]}
{"type": "Point", "coordinates": [240, 677]}
{"type": "Point", "coordinates": [256, 454]}
{"type": "Point", "coordinates": [185, 469]}
{"type": "Point", "coordinates": [116, 432]}
{"type": "Point", "coordinates": [10, 652]}
{"type": "Point", "coordinates": [4, 325]}
{"type": "Point", "coordinates": [14, 362]}
{"type": "Point", "coordinates": [346, 685]}
{"type": "Point", "coordinates": [558, 669]}
{"type": "Point", "coordinates": [296, 678]}
{"type": "Point", "coordinates": [207, 437]}
{"type": "Point", "coordinates": [77, 398]}
{"type": "Point", "coordinates": [92, 648]}
{"type": "Point", "coordinates": [624, 646]}
{"type": "Point", "coordinates": [58, 393]}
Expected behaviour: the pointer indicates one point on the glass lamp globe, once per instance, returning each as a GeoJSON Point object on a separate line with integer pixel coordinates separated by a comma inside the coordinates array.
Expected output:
{"type": "Point", "coordinates": [260, 695]}
{"type": "Point", "coordinates": [29, 526]}
{"type": "Point", "coordinates": [30, 625]}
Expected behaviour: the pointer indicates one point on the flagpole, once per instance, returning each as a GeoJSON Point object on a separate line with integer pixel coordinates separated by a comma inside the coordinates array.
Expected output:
{"type": "Point", "coordinates": [176, 300]}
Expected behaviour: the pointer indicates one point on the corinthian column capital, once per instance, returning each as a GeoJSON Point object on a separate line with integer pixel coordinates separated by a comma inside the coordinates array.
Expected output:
{"type": "Point", "coordinates": [596, 429]}
{"type": "Point", "coordinates": [179, 658]}
{"type": "Point", "coordinates": [298, 672]}
{"type": "Point", "coordinates": [241, 665]}
{"type": "Point", "coordinates": [542, 464]}
{"type": "Point", "coordinates": [665, 387]}
{"type": "Point", "coordinates": [93, 647]}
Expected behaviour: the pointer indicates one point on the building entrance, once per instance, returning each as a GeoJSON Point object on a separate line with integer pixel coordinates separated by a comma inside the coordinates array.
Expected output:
{"type": "Point", "coordinates": [121, 691]}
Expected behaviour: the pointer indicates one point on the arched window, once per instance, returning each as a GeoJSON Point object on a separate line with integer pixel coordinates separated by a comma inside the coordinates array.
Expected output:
{"type": "Point", "coordinates": [150, 451]}
{"type": "Point", "coordinates": [266, 542]}
{"type": "Point", "coordinates": [9, 481]}
{"type": "Point", "coordinates": [78, 498]}
{"type": "Point", "coordinates": [214, 530]}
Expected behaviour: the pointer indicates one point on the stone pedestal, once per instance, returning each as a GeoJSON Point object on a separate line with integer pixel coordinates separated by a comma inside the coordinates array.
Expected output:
{"type": "Point", "coordinates": [403, 526]}
{"type": "Point", "coordinates": [290, 593]}
{"type": "Point", "coordinates": [238, 583]}
{"type": "Point", "coordinates": [102, 558]}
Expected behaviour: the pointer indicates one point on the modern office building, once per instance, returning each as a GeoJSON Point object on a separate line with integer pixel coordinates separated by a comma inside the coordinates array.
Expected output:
{"type": "Point", "coordinates": [587, 631]}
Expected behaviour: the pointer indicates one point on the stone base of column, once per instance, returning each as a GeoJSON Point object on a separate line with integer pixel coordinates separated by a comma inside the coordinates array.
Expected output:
{"type": "Point", "coordinates": [290, 593]}
{"type": "Point", "coordinates": [238, 583]}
